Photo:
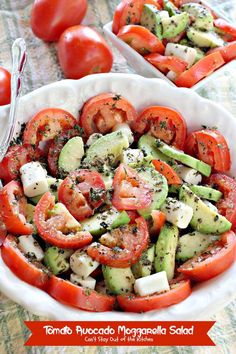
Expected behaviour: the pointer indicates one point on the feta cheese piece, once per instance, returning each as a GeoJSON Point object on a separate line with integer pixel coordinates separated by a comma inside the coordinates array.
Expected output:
{"type": "Point", "coordinates": [34, 179]}
{"type": "Point", "coordinates": [151, 284]}
{"type": "Point", "coordinates": [82, 264]}
{"type": "Point", "coordinates": [132, 156]}
{"type": "Point", "coordinates": [29, 245]}
{"type": "Point", "coordinates": [93, 138]}
{"type": "Point", "coordinates": [88, 282]}
{"type": "Point", "coordinates": [188, 175]}
{"type": "Point", "coordinates": [171, 75]}
{"type": "Point", "coordinates": [181, 51]}
{"type": "Point", "coordinates": [177, 213]}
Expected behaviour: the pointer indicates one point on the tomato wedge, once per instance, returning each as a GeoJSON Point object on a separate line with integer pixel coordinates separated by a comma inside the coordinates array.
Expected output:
{"type": "Point", "coordinates": [3, 231]}
{"type": "Point", "coordinates": [32, 273]}
{"type": "Point", "coordinates": [166, 170]}
{"type": "Point", "coordinates": [226, 205]}
{"type": "Point", "coordinates": [159, 219]}
{"type": "Point", "coordinates": [130, 191]}
{"type": "Point", "coordinates": [53, 229]}
{"type": "Point", "coordinates": [228, 51]}
{"type": "Point", "coordinates": [214, 261]}
{"type": "Point", "coordinates": [81, 192]}
{"type": "Point", "coordinates": [101, 113]}
{"type": "Point", "coordinates": [211, 147]}
{"type": "Point", "coordinates": [129, 12]}
{"type": "Point", "coordinates": [12, 209]}
{"type": "Point", "coordinates": [167, 63]}
{"type": "Point", "coordinates": [141, 39]}
{"type": "Point", "coordinates": [203, 68]}
{"type": "Point", "coordinates": [55, 149]}
{"type": "Point", "coordinates": [179, 291]}
{"type": "Point", "coordinates": [84, 299]}
{"type": "Point", "coordinates": [47, 124]}
{"type": "Point", "coordinates": [126, 246]}
{"type": "Point", "coordinates": [225, 26]}
{"type": "Point", "coordinates": [16, 156]}
{"type": "Point", "coordinates": [163, 123]}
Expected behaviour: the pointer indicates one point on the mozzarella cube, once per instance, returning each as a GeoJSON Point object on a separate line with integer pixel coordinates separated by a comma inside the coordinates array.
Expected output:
{"type": "Point", "coordinates": [181, 51]}
{"type": "Point", "coordinates": [125, 128]}
{"type": "Point", "coordinates": [34, 179]}
{"type": "Point", "coordinates": [171, 75]}
{"type": "Point", "coordinates": [130, 156]}
{"type": "Point", "coordinates": [151, 284]}
{"type": "Point", "coordinates": [177, 213]}
{"type": "Point", "coordinates": [29, 245]}
{"type": "Point", "coordinates": [88, 282]}
{"type": "Point", "coordinates": [82, 264]}
{"type": "Point", "coordinates": [188, 175]}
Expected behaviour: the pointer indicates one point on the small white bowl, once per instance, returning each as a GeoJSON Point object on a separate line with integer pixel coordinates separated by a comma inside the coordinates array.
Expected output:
{"type": "Point", "coordinates": [70, 95]}
{"type": "Point", "coordinates": [144, 68]}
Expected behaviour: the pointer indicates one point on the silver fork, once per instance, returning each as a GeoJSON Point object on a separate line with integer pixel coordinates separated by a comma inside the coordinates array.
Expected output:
{"type": "Point", "coordinates": [19, 60]}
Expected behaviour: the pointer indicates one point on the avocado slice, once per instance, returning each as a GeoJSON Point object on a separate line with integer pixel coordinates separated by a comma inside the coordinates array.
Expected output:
{"type": "Point", "coordinates": [118, 280]}
{"type": "Point", "coordinates": [159, 186]}
{"type": "Point", "coordinates": [194, 243]}
{"type": "Point", "coordinates": [204, 219]}
{"type": "Point", "coordinates": [55, 260]}
{"type": "Point", "coordinates": [204, 39]}
{"type": "Point", "coordinates": [106, 151]}
{"type": "Point", "coordinates": [144, 266]}
{"type": "Point", "coordinates": [107, 220]}
{"type": "Point", "coordinates": [171, 8]}
{"type": "Point", "coordinates": [206, 192]}
{"type": "Point", "coordinates": [71, 155]}
{"type": "Point", "coordinates": [151, 19]}
{"type": "Point", "coordinates": [30, 213]}
{"type": "Point", "coordinates": [147, 144]}
{"type": "Point", "coordinates": [174, 25]}
{"type": "Point", "coordinates": [165, 250]}
{"type": "Point", "coordinates": [187, 160]}
{"type": "Point", "coordinates": [202, 17]}
{"type": "Point", "coordinates": [53, 185]}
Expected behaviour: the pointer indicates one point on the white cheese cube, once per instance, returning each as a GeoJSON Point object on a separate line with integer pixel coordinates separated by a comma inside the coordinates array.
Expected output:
{"type": "Point", "coordinates": [29, 245]}
{"type": "Point", "coordinates": [34, 179]}
{"type": "Point", "coordinates": [151, 284]}
{"type": "Point", "coordinates": [171, 75]}
{"type": "Point", "coordinates": [82, 264]}
{"type": "Point", "coordinates": [130, 156]}
{"type": "Point", "coordinates": [177, 213]}
{"type": "Point", "coordinates": [93, 138]}
{"type": "Point", "coordinates": [88, 282]}
{"type": "Point", "coordinates": [181, 51]}
{"type": "Point", "coordinates": [188, 175]}
{"type": "Point", "coordinates": [124, 127]}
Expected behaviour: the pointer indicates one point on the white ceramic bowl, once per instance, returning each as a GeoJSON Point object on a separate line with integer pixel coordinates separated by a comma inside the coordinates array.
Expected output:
{"type": "Point", "coordinates": [144, 68]}
{"type": "Point", "coordinates": [207, 297]}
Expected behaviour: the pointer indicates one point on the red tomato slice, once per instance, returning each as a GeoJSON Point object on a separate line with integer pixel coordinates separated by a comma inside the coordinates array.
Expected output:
{"type": "Point", "coordinates": [203, 68]}
{"type": "Point", "coordinates": [214, 261]}
{"type": "Point", "coordinates": [55, 149]}
{"type": "Point", "coordinates": [3, 231]}
{"type": "Point", "coordinates": [180, 290]}
{"type": "Point", "coordinates": [225, 26]}
{"type": "Point", "coordinates": [133, 215]}
{"type": "Point", "coordinates": [141, 39]}
{"type": "Point", "coordinates": [167, 63]}
{"type": "Point", "coordinates": [159, 219]}
{"type": "Point", "coordinates": [101, 113]}
{"type": "Point", "coordinates": [211, 147]}
{"type": "Point", "coordinates": [167, 171]}
{"type": "Point", "coordinates": [84, 299]}
{"type": "Point", "coordinates": [47, 124]}
{"type": "Point", "coordinates": [128, 243]}
{"type": "Point", "coordinates": [227, 205]}
{"type": "Point", "coordinates": [52, 229]}
{"type": "Point", "coordinates": [32, 273]}
{"type": "Point", "coordinates": [163, 123]}
{"type": "Point", "coordinates": [16, 156]}
{"type": "Point", "coordinates": [228, 52]}
{"type": "Point", "coordinates": [129, 12]}
{"type": "Point", "coordinates": [81, 192]}
{"type": "Point", "coordinates": [5, 87]}
{"type": "Point", "coordinates": [130, 191]}
{"type": "Point", "coordinates": [12, 209]}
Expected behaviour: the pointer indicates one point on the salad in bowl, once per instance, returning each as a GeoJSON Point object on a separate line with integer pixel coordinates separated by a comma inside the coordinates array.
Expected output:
{"type": "Point", "coordinates": [119, 208]}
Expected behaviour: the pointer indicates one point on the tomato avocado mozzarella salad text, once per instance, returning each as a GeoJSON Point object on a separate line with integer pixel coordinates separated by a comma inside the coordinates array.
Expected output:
{"type": "Point", "coordinates": [183, 39]}
{"type": "Point", "coordinates": [120, 209]}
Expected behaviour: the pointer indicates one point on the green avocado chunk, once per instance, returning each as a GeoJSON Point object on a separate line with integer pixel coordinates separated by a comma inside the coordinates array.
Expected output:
{"type": "Point", "coordinates": [147, 144]}
{"type": "Point", "coordinates": [118, 280]}
{"type": "Point", "coordinates": [204, 39]}
{"type": "Point", "coordinates": [204, 219]}
{"type": "Point", "coordinates": [159, 186]}
{"type": "Point", "coordinates": [171, 8]}
{"type": "Point", "coordinates": [192, 244]}
{"type": "Point", "coordinates": [187, 160]}
{"type": "Point", "coordinates": [144, 266]}
{"type": "Point", "coordinates": [55, 260]}
{"type": "Point", "coordinates": [165, 250]}
{"type": "Point", "coordinates": [71, 155]}
{"type": "Point", "coordinates": [174, 25]}
{"type": "Point", "coordinates": [206, 192]}
{"type": "Point", "coordinates": [151, 19]}
{"type": "Point", "coordinates": [202, 17]}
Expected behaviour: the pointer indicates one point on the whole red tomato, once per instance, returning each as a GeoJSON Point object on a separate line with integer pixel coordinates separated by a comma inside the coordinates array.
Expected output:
{"type": "Point", "coordinates": [5, 87]}
{"type": "Point", "coordinates": [82, 51]}
{"type": "Point", "coordinates": [49, 18]}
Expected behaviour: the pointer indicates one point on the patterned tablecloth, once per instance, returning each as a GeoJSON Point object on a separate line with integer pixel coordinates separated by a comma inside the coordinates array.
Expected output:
{"type": "Point", "coordinates": [42, 68]}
